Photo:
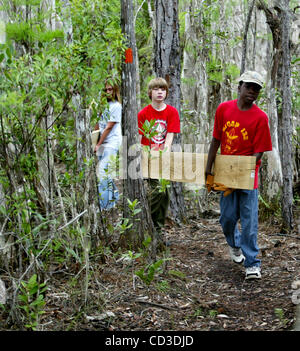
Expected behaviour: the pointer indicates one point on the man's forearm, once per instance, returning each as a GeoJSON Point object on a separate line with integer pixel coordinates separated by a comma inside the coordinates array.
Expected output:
{"type": "Point", "coordinates": [214, 146]}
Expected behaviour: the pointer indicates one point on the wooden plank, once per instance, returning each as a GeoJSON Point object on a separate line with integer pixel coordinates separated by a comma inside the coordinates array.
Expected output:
{"type": "Point", "coordinates": [95, 135]}
{"type": "Point", "coordinates": [232, 171]}
{"type": "Point", "coordinates": [235, 171]}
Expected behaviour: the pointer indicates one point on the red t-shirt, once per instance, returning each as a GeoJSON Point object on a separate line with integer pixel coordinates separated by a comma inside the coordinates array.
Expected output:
{"type": "Point", "coordinates": [242, 132]}
{"type": "Point", "coordinates": [167, 121]}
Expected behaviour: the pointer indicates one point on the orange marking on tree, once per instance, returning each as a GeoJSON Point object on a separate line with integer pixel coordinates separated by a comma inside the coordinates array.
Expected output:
{"type": "Point", "coordinates": [128, 56]}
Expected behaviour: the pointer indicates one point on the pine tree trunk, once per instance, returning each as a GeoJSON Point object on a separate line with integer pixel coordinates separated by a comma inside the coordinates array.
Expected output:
{"type": "Point", "coordinates": [133, 185]}
{"type": "Point", "coordinates": [245, 41]}
{"type": "Point", "coordinates": [279, 24]}
{"type": "Point", "coordinates": [271, 169]}
{"type": "Point", "coordinates": [66, 21]}
{"type": "Point", "coordinates": [167, 65]}
{"type": "Point", "coordinates": [287, 130]}
{"type": "Point", "coordinates": [86, 188]}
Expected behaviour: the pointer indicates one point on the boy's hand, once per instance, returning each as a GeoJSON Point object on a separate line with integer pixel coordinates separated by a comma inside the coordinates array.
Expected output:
{"type": "Point", "coordinates": [211, 185]}
{"type": "Point", "coordinates": [222, 187]}
{"type": "Point", "coordinates": [209, 182]}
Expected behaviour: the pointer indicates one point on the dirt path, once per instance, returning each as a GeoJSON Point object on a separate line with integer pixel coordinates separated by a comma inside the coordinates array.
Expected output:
{"type": "Point", "coordinates": [199, 288]}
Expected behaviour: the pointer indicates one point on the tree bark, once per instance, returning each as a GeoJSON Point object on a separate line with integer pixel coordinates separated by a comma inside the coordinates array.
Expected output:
{"type": "Point", "coordinates": [271, 170]}
{"type": "Point", "coordinates": [66, 22]}
{"type": "Point", "coordinates": [244, 54]}
{"type": "Point", "coordinates": [133, 184]}
{"type": "Point", "coordinates": [85, 192]}
{"type": "Point", "coordinates": [286, 116]}
{"type": "Point", "coordinates": [279, 23]}
{"type": "Point", "coordinates": [167, 64]}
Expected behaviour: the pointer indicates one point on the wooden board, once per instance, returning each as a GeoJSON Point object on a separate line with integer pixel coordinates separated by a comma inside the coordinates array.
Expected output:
{"type": "Point", "coordinates": [95, 135]}
{"type": "Point", "coordinates": [232, 171]}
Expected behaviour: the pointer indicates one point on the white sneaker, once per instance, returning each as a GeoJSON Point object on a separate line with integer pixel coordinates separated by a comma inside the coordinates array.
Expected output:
{"type": "Point", "coordinates": [253, 272]}
{"type": "Point", "coordinates": [236, 255]}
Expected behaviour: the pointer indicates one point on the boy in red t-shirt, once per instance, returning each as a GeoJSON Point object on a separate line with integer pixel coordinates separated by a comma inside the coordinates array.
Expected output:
{"type": "Point", "coordinates": [241, 128]}
{"type": "Point", "coordinates": [166, 117]}
{"type": "Point", "coordinates": [167, 123]}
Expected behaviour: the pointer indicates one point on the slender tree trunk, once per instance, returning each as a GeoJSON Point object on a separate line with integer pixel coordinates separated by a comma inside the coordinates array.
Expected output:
{"type": "Point", "coordinates": [3, 20]}
{"type": "Point", "coordinates": [286, 116]}
{"type": "Point", "coordinates": [167, 64]}
{"type": "Point", "coordinates": [279, 23]}
{"type": "Point", "coordinates": [245, 41]}
{"type": "Point", "coordinates": [271, 170]}
{"type": "Point", "coordinates": [66, 21]}
{"type": "Point", "coordinates": [133, 182]}
{"type": "Point", "coordinates": [85, 192]}
{"type": "Point", "coordinates": [138, 80]}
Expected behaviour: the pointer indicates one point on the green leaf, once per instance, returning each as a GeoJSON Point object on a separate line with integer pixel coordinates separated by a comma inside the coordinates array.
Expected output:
{"type": "Point", "coordinates": [147, 241]}
{"type": "Point", "coordinates": [32, 280]}
{"type": "Point", "coordinates": [176, 273]}
{"type": "Point", "coordinates": [7, 76]}
{"type": "Point", "coordinates": [8, 52]}
{"type": "Point", "coordinates": [23, 298]}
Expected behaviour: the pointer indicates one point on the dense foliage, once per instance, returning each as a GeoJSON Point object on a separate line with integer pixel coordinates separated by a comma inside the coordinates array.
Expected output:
{"type": "Point", "coordinates": [49, 57]}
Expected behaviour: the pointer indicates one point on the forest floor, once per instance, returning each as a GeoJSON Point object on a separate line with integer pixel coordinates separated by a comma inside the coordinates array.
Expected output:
{"type": "Point", "coordinates": [197, 288]}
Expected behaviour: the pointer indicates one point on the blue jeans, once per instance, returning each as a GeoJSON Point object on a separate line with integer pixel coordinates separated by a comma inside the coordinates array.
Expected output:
{"type": "Point", "coordinates": [107, 190]}
{"type": "Point", "coordinates": [241, 205]}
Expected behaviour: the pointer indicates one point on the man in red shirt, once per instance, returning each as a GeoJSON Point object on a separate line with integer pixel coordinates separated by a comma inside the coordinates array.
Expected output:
{"type": "Point", "coordinates": [166, 124]}
{"type": "Point", "coordinates": [241, 128]}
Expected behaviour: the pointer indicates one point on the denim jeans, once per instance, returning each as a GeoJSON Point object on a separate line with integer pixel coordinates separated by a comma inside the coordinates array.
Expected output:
{"type": "Point", "coordinates": [241, 205]}
{"type": "Point", "coordinates": [107, 190]}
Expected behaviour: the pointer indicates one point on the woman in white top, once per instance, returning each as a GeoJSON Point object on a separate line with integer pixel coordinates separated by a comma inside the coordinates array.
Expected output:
{"type": "Point", "coordinates": [108, 146]}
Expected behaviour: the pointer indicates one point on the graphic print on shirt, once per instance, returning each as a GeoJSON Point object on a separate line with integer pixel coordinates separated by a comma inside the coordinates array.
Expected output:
{"type": "Point", "coordinates": [233, 135]}
{"type": "Point", "coordinates": [161, 130]}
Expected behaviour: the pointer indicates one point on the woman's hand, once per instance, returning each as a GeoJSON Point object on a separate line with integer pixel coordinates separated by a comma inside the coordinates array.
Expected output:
{"type": "Point", "coordinates": [96, 148]}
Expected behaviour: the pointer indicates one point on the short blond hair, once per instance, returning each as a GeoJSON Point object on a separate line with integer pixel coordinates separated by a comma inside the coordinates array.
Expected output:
{"type": "Point", "coordinates": [157, 83]}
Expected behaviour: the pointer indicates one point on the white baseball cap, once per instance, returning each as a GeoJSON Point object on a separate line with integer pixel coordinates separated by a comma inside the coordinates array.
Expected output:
{"type": "Point", "coordinates": [252, 77]}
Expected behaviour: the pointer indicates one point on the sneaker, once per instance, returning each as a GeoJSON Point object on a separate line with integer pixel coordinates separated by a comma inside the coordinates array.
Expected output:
{"type": "Point", "coordinates": [253, 272]}
{"type": "Point", "coordinates": [236, 255]}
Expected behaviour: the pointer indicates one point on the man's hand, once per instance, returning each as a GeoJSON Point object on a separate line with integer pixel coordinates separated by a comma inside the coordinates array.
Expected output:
{"type": "Point", "coordinates": [211, 185]}
{"type": "Point", "coordinates": [209, 182]}
{"type": "Point", "coordinates": [222, 187]}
